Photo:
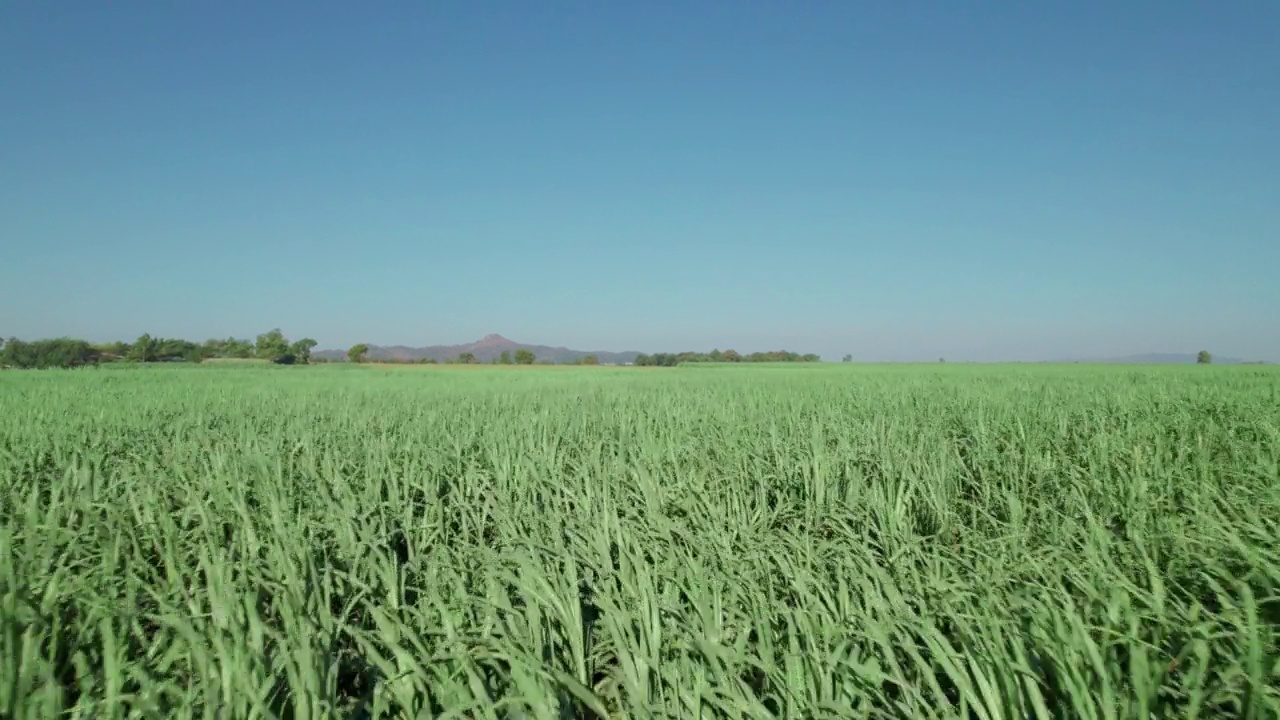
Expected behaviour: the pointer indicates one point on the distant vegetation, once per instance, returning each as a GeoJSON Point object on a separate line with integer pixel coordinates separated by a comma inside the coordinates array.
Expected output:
{"type": "Point", "coordinates": [716, 356]}
{"type": "Point", "coordinates": [270, 346]}
{"type": "Point", "coordinates": [523, 356]}
{"type": "Point", "coordinates": [273, 346]}
{"type": "Point", "coordinates": [489, 350]}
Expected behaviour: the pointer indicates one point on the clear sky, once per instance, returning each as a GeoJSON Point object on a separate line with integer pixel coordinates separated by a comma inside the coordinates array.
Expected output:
{"type": "Point", "coordinates": [896, 180]}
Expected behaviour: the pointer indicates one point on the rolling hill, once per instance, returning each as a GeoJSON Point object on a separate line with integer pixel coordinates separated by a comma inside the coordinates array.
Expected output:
{"type": "Point", "coordinates": [485, 349]}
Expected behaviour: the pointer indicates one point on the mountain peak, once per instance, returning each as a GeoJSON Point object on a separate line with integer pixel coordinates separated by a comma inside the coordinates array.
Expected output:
{"type": "Point", "coordinates": [488, 348]}
{"type": "Point", "coordinates": [493, 340]}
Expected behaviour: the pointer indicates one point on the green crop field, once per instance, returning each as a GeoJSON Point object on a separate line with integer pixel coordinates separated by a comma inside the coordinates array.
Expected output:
{"type": "Point", "coordinates": [832, 541]}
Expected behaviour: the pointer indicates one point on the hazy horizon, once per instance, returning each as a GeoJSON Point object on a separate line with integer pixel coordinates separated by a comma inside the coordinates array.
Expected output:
{"type": "Point", "coordinates": [886, 353]}
{"type": "Point", "coordinates": [828, 357]}
{"type": "Point", "coordinates": [892, 181]}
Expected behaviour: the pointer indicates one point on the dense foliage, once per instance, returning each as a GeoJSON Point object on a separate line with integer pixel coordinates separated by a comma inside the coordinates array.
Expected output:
{"type": "Point", "coordinates": [716, 356]}
{"type": "Point", "coordinates": [824, 542]}
{"type": "Point", "coordinates": [56, 352]}
{"type": "Point", "coordinates": [71, 353]}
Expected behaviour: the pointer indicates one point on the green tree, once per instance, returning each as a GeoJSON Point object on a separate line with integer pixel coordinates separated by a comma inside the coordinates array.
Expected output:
{"type": "Point", "coordinates": [113, 351]}
{"type": "Point", "coordinates": [271, 345]}
{"type": "Point", "coordinates": [467, 358]}
{"type": "Point", "coordinates": [591, 360]}
{"type": "Point", "coordinates": [1204, 358]}
{"type": "Point", "coordinates": [55, 353]}
{"type": "Point", "coordinates": [176, 350]}
{"type": "Point", "coordinates": [505, 358]}
{"type": "Point", "coordinates": [357, 352]}
{"type": "Point", "coordinates": [143, 349]}
{"type": "Point", "coordinates": [847, 358]}
{"type": "Point", "coordinates": [525, 357]}
{"type": "Point", "coordinates": [11, 353]}
{"type": "Point", "coordinates": [301, 350]}
{"type": "Point", "coordinates": [232, 348]}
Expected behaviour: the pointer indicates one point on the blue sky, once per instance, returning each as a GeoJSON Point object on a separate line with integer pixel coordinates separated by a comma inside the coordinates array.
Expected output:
{"type": "Point", "coordinates": [896, 180]}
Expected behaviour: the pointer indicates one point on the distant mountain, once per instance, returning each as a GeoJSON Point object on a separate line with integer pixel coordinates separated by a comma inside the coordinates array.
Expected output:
{"type": "Point", "coordinates": [1164, 359]}
{"type": "Point", "coordinates": [487, 348]}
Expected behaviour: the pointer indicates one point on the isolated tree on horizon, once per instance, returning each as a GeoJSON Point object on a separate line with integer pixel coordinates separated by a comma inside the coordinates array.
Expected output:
{"type": "Point", "coordinates": [357, 352]}
{"type": "Point", "coordinates": [847, 358]}
{"type": "Point", "coordinates": [467, 358]}
{"type": "Point", "coordinates": [525, 357]}
{"type": "Point", "coordinates": [1204, 358]}
{"type": "Point", "coordinates": [505, 358]}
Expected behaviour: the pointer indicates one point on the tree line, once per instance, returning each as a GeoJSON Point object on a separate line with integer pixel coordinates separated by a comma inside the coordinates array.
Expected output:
{"type": "Point", "coordinates": [728, 356]}
{"type": "Point", "coordinates": [357, 354]}
{"type": "Point", "coordinates": [273, 346]}
{"type": "Point", "coordinates": [66, 352]}
{"type": "Point", "coordinates": [522, 356]}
